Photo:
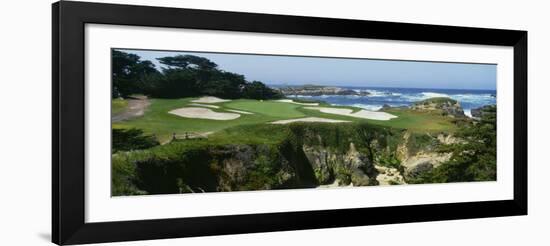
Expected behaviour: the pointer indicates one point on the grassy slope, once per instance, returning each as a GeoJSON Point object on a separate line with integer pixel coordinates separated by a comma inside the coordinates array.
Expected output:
{"type": "Point", "coordinates": [158, 121]}
{"type": "Point", "coordinates": [118, 105]}
{"type": "Point", "coordinates": [419, 121]}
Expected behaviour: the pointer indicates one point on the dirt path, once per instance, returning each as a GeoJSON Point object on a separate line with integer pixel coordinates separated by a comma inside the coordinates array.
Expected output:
{"type": "Point", "coordinates": [136, 107]}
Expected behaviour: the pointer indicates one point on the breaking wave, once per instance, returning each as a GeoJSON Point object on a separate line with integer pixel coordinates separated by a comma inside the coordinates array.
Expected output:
{"type": "Point", "coordinates": [396, 97]}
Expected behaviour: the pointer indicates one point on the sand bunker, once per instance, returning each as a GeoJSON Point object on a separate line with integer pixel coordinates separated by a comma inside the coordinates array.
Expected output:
{"type": "Point", "coordinates": [204, 105]}
{"type": "Point", "coordinates": [309, 119]}
{"type": "Point", "coordinates": [364, 114]}
{"type": "Point", "coordinates": [203, 113]}
{"type": "Point", "coordinates": [238, 111]}
{"type": "Point", "coordinates": [299, 103]}
{"type": "Point", "coordinates": [209, 99]}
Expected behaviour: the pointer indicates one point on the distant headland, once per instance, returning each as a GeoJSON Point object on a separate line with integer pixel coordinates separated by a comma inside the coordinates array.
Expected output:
{"type": "Point", "coordinates": [319, 90]}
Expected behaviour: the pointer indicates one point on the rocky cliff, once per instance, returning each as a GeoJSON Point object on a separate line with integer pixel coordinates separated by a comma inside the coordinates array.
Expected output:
{"type": "Point", "coordinates": [415, 160]}
{"type": "Point", "coordinates": [312, 155]}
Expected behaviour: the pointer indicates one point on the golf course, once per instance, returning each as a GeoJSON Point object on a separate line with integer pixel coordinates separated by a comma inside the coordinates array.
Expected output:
{"type": "Point", "coordinates": [158, 119]}
{"type": "Point", "coordinates": [193, 127]}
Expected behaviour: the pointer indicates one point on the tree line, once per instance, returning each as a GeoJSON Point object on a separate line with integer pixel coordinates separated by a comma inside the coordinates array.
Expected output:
{"type": "Point", "coordinates": [181, 76]}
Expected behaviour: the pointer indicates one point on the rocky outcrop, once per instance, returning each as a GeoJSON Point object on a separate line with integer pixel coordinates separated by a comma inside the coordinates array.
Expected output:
{"type": "Point", "coordinates": [360, 156]}
{"type": "Point", "coordinates": [386, 107]}
{"type": "Point", "coordinates": [315, 90]}
{"type": "Point", "coordinates": [423, 162]}
{"type": "Point", "coordinates": [240, 163]}
{"type": "Point", "coordinates": [352, 167]}
{"type": "Point", "coordinates": [389, 176]}
{"type": "Point", "coordinates": [485, 111]}
{"type": "Point", "coordinates": [416, 161]}
{"type": "Point", "coordinates": [447, 106]}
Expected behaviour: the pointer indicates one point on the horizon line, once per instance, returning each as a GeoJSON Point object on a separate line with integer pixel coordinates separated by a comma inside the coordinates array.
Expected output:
{"type": "Point", "coordinates": [392, 87]}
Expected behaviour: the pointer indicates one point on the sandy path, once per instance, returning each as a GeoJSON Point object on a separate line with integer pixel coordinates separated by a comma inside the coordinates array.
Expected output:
{"type": "Point", "coordinates": [203, 113]}
{"type": "Point", "coordinates": [291, 101]}
{"type": "Point", "coordinates": [364, 114]}
{"type": "Point", "coordinates": [308, 119]}
{"type": "Point", "coordinates": [209, 99]}
{"type": "Point", "coordinates": [136, 107]}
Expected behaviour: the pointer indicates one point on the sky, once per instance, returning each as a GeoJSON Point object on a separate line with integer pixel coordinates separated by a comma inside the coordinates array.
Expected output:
{"type": "Point", "coordinates": [294, 70]}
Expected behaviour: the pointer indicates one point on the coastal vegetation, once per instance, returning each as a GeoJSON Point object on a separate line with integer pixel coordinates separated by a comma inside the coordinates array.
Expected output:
{"type": "Point", "coordinates": [191, 127]}
{"type": "Point", "coordinates": [473, 159]}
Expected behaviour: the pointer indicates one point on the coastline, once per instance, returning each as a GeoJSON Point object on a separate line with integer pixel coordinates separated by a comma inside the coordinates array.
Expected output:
{"type": "Point", "coordinates": [374, 98]}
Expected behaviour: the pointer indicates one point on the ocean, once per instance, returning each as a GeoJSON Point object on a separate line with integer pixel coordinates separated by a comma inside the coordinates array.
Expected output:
{"type": "Point", "coordinates": [468, 99]}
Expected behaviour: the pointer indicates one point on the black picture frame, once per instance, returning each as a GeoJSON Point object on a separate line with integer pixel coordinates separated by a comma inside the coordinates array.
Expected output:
{"type": "Point", "coordinates": [68, 138]}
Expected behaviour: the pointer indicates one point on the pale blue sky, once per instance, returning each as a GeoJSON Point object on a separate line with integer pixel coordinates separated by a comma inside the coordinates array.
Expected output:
{"type": "Point", "coordinates": [291, 70]}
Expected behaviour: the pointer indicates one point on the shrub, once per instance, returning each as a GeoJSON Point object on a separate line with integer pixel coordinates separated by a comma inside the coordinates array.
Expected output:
{"type": "Point", "coordinates": [131, 139]}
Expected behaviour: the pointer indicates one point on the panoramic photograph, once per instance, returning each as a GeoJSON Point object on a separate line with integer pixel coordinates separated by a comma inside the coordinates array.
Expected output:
{"type": "Point", "coordinates": [197, 122]}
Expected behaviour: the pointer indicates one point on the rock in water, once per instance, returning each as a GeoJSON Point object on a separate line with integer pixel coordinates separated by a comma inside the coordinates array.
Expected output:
{"type": "Point", "coordinates": [317, 90]}
{"type": "Point", "coordinates": [487, 110]}
{"type": "Point", "coordinates": [447, 106]}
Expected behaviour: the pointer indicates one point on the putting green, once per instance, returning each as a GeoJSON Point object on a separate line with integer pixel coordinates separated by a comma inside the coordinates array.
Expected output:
{"type": "Point", "coordinates": [267, 108]}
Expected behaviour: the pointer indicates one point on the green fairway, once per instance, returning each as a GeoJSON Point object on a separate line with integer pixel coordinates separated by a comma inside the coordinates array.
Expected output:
{"type": "Point", "coordinates": [418, 121]}
{"type": "Point", "coordinates": [267, 108]}
{"type": "Point", "coordinates": [156, 119]}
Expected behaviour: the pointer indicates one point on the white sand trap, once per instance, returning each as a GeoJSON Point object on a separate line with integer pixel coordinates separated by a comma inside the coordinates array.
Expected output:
{"type": "Point", "coordinates": [309, 119]}
{"type": "Point", "coordinates": [373, 115]}
{"type": "Point", "coordinates": [364, 114]}
{"type": "Point", "coordinates": [238, 111]}
{"type": "Point", "coordinates": [203, 113]}
{"type": "Point", "coordinates": [299, 103]}
{"type": "Point", "coordinates": [204, 105]}
{"type": "Point", "coordinates": [209, 99]}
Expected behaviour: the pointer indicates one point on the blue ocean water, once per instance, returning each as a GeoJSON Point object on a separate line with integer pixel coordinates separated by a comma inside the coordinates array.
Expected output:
{"type": "Point", "coordinates": [468, 99]}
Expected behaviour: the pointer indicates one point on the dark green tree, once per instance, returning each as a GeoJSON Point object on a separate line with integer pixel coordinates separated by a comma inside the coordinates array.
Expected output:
{"type": "Point", "coordinates": [131, 139]}
{"type": "Point", "coordinates": [188, 62]}
{"type": "Point", "coordinates": [181, 76]}
{"type": "Point", "coordinates": [258, 90]}
{"type": "Point", "coordinates": [174, 83]}
{"type": "Point", "coordinates": [128, 72]}
{"type": "Point", "coordinates": [223, 84]}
